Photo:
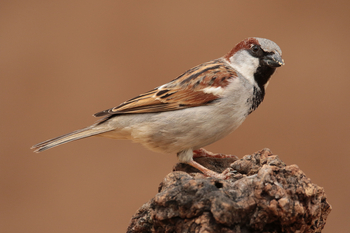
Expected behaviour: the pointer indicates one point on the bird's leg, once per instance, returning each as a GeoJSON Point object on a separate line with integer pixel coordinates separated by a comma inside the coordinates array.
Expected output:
{"type": "Point", "coordinates": [209, 173]}
{"type": "Point", "coordinates": [204, 153]}
{"type": "Point", "coordinates": [186, 156]}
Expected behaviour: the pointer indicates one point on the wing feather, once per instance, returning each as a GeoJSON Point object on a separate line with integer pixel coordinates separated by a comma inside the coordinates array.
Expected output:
{"type": "Point", "coordinates": [198, 86]}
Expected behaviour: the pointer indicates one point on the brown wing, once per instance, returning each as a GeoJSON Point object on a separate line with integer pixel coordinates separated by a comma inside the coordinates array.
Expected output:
{"type": "Point", "coordinates": [188, 90]}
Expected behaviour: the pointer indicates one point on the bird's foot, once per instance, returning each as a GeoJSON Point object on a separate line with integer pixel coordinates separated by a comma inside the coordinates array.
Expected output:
{"type": "Point", "coordinates": [209, 173]}
{"type": "Point", "coordinates": [204, 153]}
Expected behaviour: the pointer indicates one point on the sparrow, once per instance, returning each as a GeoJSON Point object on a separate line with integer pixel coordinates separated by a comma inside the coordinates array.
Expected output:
{"type": "Point", "coordinates": [199, 107]}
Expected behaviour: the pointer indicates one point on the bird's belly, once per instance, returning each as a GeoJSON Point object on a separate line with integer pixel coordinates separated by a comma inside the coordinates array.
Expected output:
{"type": "Point", "coordinates": [171, 132]}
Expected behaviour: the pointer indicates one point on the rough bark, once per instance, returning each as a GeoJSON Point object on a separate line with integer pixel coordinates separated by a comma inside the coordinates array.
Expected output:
{"type": "Point", "coordinates": [262, 195]}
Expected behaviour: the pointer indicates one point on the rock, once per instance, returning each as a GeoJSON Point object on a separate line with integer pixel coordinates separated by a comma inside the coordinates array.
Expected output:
{"type": "Point", "coordinates": [262, 195]}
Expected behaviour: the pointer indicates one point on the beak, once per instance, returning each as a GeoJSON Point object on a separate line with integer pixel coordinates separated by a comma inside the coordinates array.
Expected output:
{"type": "Point", "coordinates": [273, 60]}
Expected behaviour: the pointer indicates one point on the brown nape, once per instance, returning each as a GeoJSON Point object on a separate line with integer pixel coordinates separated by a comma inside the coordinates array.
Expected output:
{"type": "Point", "coordinates": [245, 44]}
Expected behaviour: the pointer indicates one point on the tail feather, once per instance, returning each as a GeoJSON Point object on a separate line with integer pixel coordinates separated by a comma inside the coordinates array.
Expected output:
{"type": "Point", "coordinates": [75, 135]}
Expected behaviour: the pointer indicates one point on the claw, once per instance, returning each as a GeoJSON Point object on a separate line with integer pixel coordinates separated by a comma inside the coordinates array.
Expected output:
{"type": "Point", "coordinates": [209, 173]}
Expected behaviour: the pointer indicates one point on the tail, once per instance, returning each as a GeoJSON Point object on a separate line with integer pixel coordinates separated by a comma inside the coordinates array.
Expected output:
{"type": "Point", "coordinates": [75, 135]}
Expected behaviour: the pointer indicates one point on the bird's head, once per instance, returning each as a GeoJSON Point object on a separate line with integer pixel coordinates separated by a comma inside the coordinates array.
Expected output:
{"type": "Point", "coordinates": [255, 59]}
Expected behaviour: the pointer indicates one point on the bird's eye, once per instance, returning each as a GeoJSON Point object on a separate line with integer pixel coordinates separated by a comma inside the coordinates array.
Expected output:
{"type": "Point", "coordinates": [256, 51]}
{"type": "Point", "coordinates": [255, 48]}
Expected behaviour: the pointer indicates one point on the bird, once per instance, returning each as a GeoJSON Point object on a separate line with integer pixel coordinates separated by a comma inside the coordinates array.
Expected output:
{"type": "Point", "coordinates": [198, 108]}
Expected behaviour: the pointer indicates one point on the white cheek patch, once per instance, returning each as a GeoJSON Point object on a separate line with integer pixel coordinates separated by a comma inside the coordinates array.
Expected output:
{"type": "Point", "coordinates": [245, 64]}
{"type": "Point", "coordinates": [213, 90]}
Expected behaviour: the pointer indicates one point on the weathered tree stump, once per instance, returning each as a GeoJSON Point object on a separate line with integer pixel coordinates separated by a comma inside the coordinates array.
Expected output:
{"type": "Point", "coordinates": [262, 195]}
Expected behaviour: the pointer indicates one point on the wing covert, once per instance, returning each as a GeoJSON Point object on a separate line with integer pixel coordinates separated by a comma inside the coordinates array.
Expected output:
{"type": "Point", "coordinates": [198, 86]}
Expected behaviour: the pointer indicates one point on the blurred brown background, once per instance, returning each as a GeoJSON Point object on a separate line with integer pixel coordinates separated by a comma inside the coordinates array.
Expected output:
{"type": "Point", "coordinates": [62, 61]}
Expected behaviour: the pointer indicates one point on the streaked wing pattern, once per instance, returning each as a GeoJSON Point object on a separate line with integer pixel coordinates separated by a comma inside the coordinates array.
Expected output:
{"type": "Point", "coordinates": [188, 90]}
